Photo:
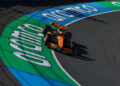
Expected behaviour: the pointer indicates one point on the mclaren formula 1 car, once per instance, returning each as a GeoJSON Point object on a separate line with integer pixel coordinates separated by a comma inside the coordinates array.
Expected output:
{"type": "Point", "coordinates": [59, 40]}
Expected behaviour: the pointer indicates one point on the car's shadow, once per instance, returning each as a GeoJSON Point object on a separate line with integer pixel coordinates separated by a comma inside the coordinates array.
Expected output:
{"type": "Point", "coordinates": [80, 52]}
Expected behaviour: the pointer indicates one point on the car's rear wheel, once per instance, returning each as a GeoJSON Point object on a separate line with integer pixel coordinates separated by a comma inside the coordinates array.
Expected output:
{"type": "Point", "coordinates": [68, 35]}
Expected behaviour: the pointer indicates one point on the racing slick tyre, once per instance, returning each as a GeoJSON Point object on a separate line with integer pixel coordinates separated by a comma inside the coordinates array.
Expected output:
{"type": "Point", "coordinates": [68, 35]}
{"type": "Point", "coordinates": [47, 28]}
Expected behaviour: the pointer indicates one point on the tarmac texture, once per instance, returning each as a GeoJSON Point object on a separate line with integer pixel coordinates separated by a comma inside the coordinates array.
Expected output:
{"type": "Point", "coordinates": [97, 39]}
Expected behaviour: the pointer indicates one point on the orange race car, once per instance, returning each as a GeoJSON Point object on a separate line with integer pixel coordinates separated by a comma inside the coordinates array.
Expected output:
{"type": "Point", "coordinates": [58, 39]}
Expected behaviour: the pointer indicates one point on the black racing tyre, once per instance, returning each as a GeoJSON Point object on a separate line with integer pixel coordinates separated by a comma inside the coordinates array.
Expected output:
{"type": "Point", "coordinates": [47, 28]}
{"type": "Point", "coordinates": [68, 35]}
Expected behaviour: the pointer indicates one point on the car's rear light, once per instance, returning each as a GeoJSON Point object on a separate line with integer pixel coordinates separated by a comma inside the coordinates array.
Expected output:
{"type": "Point", "coordinates": [68, 50]}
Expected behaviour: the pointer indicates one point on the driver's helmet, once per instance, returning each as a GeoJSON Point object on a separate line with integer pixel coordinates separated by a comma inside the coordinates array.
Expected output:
{"type": "Point", "coordinates": [60, 32]}
{"type": "Point", "coordinates": [61, 29]}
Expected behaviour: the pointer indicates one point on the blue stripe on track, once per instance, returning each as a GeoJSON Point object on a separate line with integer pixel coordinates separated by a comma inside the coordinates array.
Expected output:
{"type": "Point", "coordinates": [38, 16]}
{"type": "Point", "coordinates": [29, 79]}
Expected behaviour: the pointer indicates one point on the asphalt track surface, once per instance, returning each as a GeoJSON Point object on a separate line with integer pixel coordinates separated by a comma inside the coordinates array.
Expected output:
{"type": "Point", "coordinates": [97, 38]}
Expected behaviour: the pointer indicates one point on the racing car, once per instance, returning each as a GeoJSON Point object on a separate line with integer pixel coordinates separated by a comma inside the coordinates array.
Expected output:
{"type": "Point", "coordinates": [59, 40]}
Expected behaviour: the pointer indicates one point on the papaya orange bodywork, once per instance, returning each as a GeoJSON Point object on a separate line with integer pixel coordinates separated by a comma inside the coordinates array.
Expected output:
{"type": "Point", "coordinates": [44, 40]}
{"type": "Point", "coordinates": [52, 45]}
{"type": "Point", "coordinates": [60, 41]}
{"type": "Point", "coordinates": [58, 25]}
